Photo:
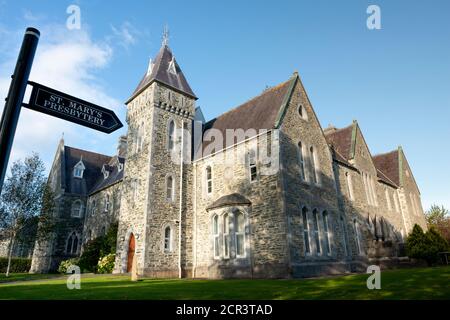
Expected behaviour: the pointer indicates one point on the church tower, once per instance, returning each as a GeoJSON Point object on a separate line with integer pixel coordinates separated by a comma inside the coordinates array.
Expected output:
{"type": "Point", "coordinates": [157, 172]}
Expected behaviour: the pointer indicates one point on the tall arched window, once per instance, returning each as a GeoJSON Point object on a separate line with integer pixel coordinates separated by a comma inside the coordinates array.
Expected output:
{"type": "Point", "coordinates": [239, 226]}
{"type": "Point", "coordinates": [93, 207]}
{"type": "Point", "coordinates": [326, 232]}
{"type": "Point", "coordinates": [107, 203]}
{"type": "Point", "coordinates": [312, 159]}
{"type": "Point", "coordinates": [77, 207]}
{"type": "Point", "coordinates": [209, 181]}
{"type": "Point", "coordinates": [216, 236]}
{"type": "Point", "coordinates": [252, 167]}
{"type": "Point", "coordinates": [169, 188]}
{"type": "Point", "coordinates": [316, 231]}
{"type": "Point", "coordinates": [301, 160]}
{"type": "Point", "coordinates": [226, 235]}
{"type": "Point", "coordinates": [72, 244]}
{"type": "Point", "coordinates": [167, 239]}
{"type": "Point", "coordinates": [306, 230]}
{"type": "Point", "coordinates": [358, 236]}
{"type": "Point", "coordinates": [344, 236]}
{"type": "Point", "coordinates": [171, 135]}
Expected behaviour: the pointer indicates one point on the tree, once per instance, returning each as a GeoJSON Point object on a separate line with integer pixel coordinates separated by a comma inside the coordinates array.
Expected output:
{"type": "Point", "coordinates": [439, 218]}
{"type": "Point", "coordinates": [426, 246]}
{"type": "Point", "coordinates": [26, 202]}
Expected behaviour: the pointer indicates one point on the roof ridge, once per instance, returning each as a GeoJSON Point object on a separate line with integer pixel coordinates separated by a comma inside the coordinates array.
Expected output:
{"type": "Point", "coordinates": [100, 154]}
{"type": "Point", "coordinates": [338, 130]}
{"type": "Point", "coordinates": [383, 154]}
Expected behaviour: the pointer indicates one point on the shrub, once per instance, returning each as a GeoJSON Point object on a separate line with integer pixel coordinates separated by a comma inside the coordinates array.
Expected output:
{"type": "Point", "coordinates": [426, 246]}
{"type": "Point", "coordinates": [18, 265]}
{"type": "Point", "coordinates": [97, 248]}
{"type": "Point", "coordinates": [65, 264]}
{"type": "Point", "coordinates": [106, 263]}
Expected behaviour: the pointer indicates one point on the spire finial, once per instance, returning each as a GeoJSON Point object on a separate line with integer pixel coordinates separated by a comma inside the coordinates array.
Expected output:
{"type": "Point", "coordinates": [165, 36]}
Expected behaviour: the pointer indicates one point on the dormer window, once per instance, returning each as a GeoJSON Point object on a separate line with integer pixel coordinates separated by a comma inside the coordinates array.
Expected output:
{"type": "Point", "coordinates": [105, 172]}
{"type": "Point", "coordinates": [120, 166]}
{"type": "Point", "coordinates": [172, 67]}
{"type": "Point", "coordinates": [78, 170]}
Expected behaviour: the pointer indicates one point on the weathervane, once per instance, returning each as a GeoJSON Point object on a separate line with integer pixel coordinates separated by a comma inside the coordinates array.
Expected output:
{"type": "Point", "coordinates": [165, 36]}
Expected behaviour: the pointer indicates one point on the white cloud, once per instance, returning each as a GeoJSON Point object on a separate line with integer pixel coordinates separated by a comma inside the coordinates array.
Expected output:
{"type": "Point", "coordinates": [68, 61]}
{"type": "Point", "coordinates": [126, 34]}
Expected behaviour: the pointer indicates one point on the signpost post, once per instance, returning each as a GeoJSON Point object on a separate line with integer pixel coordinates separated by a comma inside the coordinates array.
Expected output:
{"type": "Point", "coordinates": [46, 100]}
{"type": "Point", "coordinates": [14, 100]}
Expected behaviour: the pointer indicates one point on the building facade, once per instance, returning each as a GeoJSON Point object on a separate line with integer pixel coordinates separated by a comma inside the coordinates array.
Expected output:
{"type": "Point", "coordinates": [262, 191]}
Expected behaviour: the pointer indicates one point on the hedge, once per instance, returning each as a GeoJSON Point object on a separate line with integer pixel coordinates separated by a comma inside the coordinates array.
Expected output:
{"type": "Point", "coordinates": [18, 265]}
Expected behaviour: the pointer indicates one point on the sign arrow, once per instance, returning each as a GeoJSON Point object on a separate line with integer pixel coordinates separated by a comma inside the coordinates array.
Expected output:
{"type": "Point", "coordinates": [64, 106]}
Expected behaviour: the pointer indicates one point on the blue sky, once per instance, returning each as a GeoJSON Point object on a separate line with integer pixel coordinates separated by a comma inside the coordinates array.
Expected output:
{"type": "Point", "coordinates": [394, 81]}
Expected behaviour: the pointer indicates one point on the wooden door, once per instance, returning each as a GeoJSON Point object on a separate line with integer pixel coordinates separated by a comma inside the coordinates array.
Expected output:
{"type": "Point", "coordinates": [131, 247]}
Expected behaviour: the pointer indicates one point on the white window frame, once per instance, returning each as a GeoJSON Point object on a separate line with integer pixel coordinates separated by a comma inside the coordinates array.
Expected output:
{"type": "Point", "coordinates": [313, 164]}
{"type": "Point", "coordinates": [72, 237]}
{"type": "Point", "coordinates": [209, 180]}
{"type": "Point", "coordinates": [252, 165]}
{"type": "Point", "coordinates": [216, 236]}
{"type": "Point", "coordinates": [326, 231]}
{"type": "Point", "coordinates": [240, 233]}
{"type": "Point", "coordinates": [167, 244]}
{"type": "Point", "coordinates": [306, 232]}
{"type": "Point", "coordinates": [226, 235]}
{"type": "Point", "coordinates": [80, 209]}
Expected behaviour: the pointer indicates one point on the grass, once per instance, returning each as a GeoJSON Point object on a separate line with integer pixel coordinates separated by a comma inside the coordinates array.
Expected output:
{"type": "Point", "coordinates": [418, 283]}
{"type": "Point", "coordinates": [25, 277]}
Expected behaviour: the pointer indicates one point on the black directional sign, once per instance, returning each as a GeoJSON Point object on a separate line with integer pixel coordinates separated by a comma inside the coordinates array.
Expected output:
{"type": "Point", "coordinates": [64, 106]}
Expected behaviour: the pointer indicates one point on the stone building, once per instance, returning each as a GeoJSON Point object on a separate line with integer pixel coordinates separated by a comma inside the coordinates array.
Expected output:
{"type": "Point", "coordinates": [260, 191]}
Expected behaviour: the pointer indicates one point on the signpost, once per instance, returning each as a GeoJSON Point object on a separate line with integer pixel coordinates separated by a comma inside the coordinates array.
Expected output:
{"type": "Point", "coordinates": [64, 106]}
{"type": "Point", "coordinates": [46, 100]}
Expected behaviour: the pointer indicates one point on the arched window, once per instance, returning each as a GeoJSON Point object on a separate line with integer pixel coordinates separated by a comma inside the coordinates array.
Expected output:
{"type": "Point", "coordinates": [215, 228]}
{"type": "Point", "coordinates": [316, 231]}
{"type": "Point", "coordinates": [358, 236]}
{"type": "Point", "coordinates": [253, 170]}
{"type": "Point", "coordinates": [301, 160]}
{"type": "Point", "coordinates": [72, 244]}
{"type": "Point", "coordinates": [93, 207]}
{"type": "Point", "coordinates": [306, 230]}
{"type": "Point", "coordinates": [226, 235]}
{"type": "Point", "coordinates": [169, 188]}
{"type": "Point", "coordinates": [77, 208]}
{"type": "Point", "coordinates": [344, 236]}
{"type": "Point", "coordinates": [326, 232]}
{"type": "Point", "coordinates": [349, 186]}
{"type": "Point", "coordinates": [78, 169]}
{"type": "Point", "coordinates": [239, 226]}
{"type": "Point", "coordinates": [168, 239]}
{"type": "Point", "coordinates": [302, 112]}
{"type": "Point", "coordinates": [171, 135]}
{"type": "Point", "coordinates": [209, 181]}
{"type": "Point", "coordinates": [312, 157]}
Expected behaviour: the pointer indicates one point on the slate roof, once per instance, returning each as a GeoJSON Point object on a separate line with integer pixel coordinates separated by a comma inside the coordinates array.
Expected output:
{"type": "Point", "coordinates": [160, 72]}
{"type": "Point", "coordinates": [388, 163]}
{"type": "Point", "coordinates": [229, 200]}
{"type": "Point", "coordinates": [114, 175]}
{"type": "Point", "coordinates": [258, 113]}
{"type": "Point", "coordinates": [341, 140]}
{"type": "Point", "coordinates": [93, 163]}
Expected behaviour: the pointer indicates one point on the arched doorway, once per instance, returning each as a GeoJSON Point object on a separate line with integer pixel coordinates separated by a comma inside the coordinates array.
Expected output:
{"type": "Point", "coordinates": [131, 247]}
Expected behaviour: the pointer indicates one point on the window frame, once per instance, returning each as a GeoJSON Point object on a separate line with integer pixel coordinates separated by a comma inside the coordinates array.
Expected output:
{"type": "Point", "coordinates": [209, 179]}
{"type": "Point", "coordinates": [167, 240]}
{"type": "Point", "coordinates": [170, 197]}
{"type": "Point", "coordinates": [316, 231]}
{"type": "Point", "coordinates": [326, 231]}
{"type": "Point", "coordinates": [80, 209]}
{"type": "Point", "coordinates": [306, 232]}
{"type": "Point", "coordinates": [239, 233]}
{"type": "Point", "coordinates": [252, 165]}
{"type": "Point", "coordinates": [301, 160]}
{"type": "Point", "coordinates": [216, 236]}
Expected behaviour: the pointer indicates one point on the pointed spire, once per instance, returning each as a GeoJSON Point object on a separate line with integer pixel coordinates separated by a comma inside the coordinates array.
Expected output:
{"type": "Point", "coordinates": [165, 36]}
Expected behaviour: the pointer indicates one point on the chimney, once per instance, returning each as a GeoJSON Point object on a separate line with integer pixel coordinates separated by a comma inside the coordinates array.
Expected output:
{"type": "Point", "coordinates": [329, 129]}
{"type": "Point", "coordinates": [122, 147]}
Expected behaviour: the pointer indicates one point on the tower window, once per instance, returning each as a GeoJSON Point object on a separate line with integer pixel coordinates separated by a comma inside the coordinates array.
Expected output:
{"type": "Point", "coordinates": [72, 244]}
{"type": "Point", "coordinates": [171, 135]}
{"type": "Point", "coordinates": [170, 188]}
{"type": "Point", "coordinates": [253, 170]}
{"type": "Point", "coordinates": [167, 239]}
{"type": "Point", "coordinates": [77, 207]}
{"type": "Point", "coordinates": [209, 181]}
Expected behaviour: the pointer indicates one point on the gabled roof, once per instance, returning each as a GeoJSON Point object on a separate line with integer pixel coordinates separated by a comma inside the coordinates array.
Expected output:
{"type": "Point", "coordinates": [114, 175]}
{"type": "Point", "coordinates": [260, 112]}
{"type": "Point", "coordinates": [341, 140]}
{"type": "Point", "coordinates": [160, 72]}
{"type": "Point", "coordinates": [93, 163]}
{"type": "Point", "coordinates": [388, 163]}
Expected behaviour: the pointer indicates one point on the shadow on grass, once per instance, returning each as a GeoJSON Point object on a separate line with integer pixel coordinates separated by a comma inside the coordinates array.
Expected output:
{"type": "Point", "coordinates": [431, 283]}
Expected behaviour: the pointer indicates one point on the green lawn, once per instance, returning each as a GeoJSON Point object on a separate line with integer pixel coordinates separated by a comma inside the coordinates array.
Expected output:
{"type": "Point", "coordinates": [418, 283]}
{"type": "Point", "coordinates": [25, 277]}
